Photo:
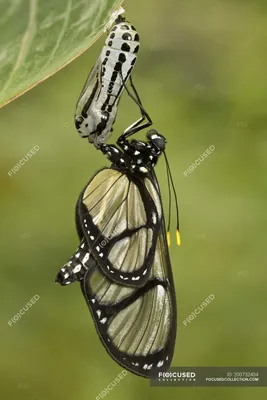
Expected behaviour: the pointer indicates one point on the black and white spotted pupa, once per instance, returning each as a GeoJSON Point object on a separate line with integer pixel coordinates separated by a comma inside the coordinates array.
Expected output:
{"type": "Point", "coordinates": [97, 105]}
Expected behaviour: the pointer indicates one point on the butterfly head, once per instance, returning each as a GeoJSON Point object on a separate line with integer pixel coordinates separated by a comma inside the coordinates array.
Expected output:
{"type": "Point", "coordinates": [157, 141]}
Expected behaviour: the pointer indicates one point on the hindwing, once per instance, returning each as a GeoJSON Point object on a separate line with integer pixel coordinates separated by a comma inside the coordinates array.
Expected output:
{"type": "Point", "coordinates": [136, 325]}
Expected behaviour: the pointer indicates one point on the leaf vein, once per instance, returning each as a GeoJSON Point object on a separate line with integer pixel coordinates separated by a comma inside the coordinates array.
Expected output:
{"type": "Point", "coordinates": [25, 43]}
{"type": "Point", "coordinates": [62, 33]}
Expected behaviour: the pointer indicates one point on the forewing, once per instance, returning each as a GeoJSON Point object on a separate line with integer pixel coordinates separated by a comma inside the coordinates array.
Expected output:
{"type": "Point", "coordinates": [120, 217]}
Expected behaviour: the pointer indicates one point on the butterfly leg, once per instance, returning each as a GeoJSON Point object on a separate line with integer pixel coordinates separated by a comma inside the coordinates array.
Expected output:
{"type": "Point", "coordinates": [137, 125]}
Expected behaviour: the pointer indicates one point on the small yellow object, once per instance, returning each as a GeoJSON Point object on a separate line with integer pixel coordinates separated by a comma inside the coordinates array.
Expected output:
{"type": "Point", "coordinates": [178, 238]}
{"type": "Point", "coordinates": [168, 239]}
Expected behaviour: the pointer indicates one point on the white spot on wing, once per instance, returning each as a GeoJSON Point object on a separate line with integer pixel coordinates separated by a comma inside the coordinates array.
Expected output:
{"type": "Point", "coordinates": [135, 279]}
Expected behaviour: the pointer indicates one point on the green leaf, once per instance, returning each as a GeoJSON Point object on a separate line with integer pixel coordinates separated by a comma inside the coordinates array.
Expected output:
{"type": "Point", "coordinates": [39, 37]}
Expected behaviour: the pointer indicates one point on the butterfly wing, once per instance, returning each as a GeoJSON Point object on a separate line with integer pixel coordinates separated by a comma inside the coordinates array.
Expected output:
{"type": "Point", "coordinates": [136, 325]}
{"type": "Point", "coordinates": [120, 217]}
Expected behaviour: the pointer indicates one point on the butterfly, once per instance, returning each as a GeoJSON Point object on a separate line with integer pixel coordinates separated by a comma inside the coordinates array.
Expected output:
{"type": "Point", "coordinates": [122, 262]}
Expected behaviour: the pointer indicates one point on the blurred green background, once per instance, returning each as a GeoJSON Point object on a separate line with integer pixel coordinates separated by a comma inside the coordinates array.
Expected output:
{"type": "Point", "coordinates": [201, 74]}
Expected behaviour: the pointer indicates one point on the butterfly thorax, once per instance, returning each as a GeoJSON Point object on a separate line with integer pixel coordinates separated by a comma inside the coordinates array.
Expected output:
{"type": "Point", "coordinates": [136, 156]}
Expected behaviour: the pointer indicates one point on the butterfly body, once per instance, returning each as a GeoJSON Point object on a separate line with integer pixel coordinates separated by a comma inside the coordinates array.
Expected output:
{"type": "Point", "coordinates": [122, 262]}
